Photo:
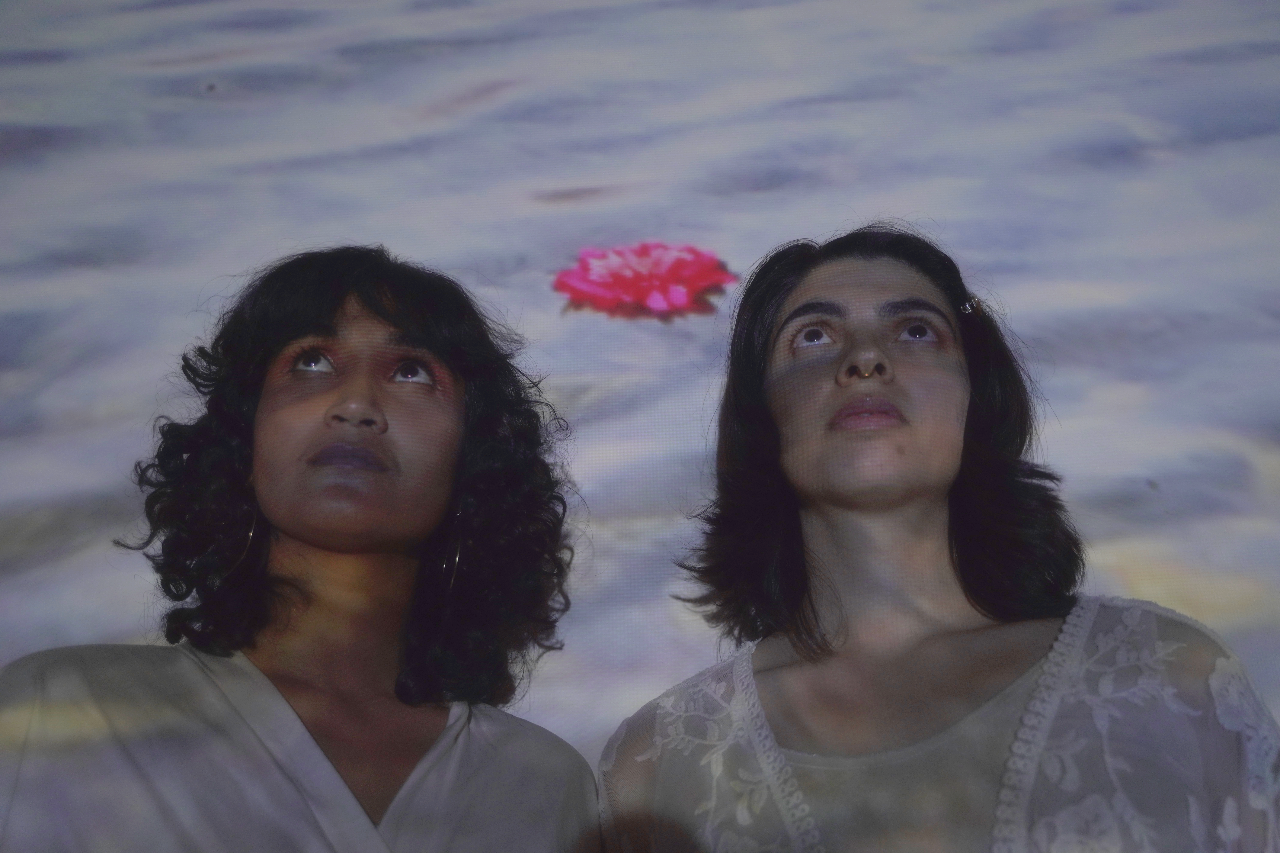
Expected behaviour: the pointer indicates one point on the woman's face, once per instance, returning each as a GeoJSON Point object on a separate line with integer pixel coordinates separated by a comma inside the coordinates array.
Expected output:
{"type": "Point", "coordinates": [867, 384]}
{"type": "Point", "coordinates": [356, 437]}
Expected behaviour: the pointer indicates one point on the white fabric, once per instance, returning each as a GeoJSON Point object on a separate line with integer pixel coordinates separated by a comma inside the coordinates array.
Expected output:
{"type": "Point", "coordinates": [138, 748]}
{"type": "Point", "coordinates": [1142, 734]}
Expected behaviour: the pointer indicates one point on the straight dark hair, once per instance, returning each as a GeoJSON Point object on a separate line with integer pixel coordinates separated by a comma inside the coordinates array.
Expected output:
{"type": "Point", "coordinates": [1014, 548]}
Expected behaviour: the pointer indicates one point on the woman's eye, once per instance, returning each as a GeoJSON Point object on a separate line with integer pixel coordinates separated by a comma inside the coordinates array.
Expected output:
{"type": "Point", "coordinates": [313, 361]}
{"type": "Point", "coordinates": [811, 336]}
{"type": "Point", "coordinates": [414, 371]}
{"type": "Point", "coordinates": [917, 332]}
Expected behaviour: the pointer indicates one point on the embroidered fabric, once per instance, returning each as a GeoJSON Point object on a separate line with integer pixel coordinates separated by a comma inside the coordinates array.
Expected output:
{"type": "Point", "coordinates": [1009, 834]}
{"type": "Point", "coordinates": [1143, 734]}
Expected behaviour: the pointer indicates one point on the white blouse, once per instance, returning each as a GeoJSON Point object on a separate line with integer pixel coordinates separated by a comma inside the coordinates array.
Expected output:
{"type": "Point", "coordinates": [1140, 733]}
{"type": "Point", "coordinates": [156, 749]}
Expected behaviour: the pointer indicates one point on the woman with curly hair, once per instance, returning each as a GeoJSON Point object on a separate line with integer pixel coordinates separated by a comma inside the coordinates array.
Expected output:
{"type": "Point", "coordinates": [918, 671]}
{"type": "Point", "coordinates": [362, 537]}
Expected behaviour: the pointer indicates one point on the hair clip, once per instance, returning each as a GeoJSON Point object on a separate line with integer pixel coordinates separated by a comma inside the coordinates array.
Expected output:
{"type": "Point", "coordinates": [970, 306]}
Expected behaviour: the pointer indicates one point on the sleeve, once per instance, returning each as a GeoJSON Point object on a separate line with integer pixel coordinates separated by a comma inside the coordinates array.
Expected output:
{"type": "Point", "coordinates": [1157, 742]}
{"type": "Point", "coordinates": [581, 810]}
{"type": "Point", "coordinates": [626, 781]}
{"type": "Point", "coordinates": [19, 699]}
{"type": "Point", "coordinates": [1236, 804]}
{"type": "Point", "coordinates": [629, 809]}
{"type": "Point", "coordinates": [1248, 741]}
{"type": "Point", "coordinates": [506, 784]}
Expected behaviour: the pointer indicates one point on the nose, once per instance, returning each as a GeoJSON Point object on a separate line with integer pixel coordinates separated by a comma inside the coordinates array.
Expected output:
{"type": "Point", "coordinates": [864, 363]}
{"type": "Point", "coordinates": [356, 404]}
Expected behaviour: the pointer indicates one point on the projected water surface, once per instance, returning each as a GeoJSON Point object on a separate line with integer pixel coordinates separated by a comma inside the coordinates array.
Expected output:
{"type": "Point", "coordinates": [1107, 173]}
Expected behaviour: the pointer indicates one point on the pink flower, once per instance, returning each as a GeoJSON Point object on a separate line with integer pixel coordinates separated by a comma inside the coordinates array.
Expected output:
{"type": "Point", "coordinates": [648, 279]}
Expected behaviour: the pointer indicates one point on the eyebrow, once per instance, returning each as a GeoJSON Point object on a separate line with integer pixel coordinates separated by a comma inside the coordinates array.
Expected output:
{"type": "Point", "coordinates": [407, 341]}
{"type": "Point", "coordinates": [898, 307]}
{"type": "Point", "coordinates": [894, 308]}
{"type": "Point", "coordinates": [822, 309]}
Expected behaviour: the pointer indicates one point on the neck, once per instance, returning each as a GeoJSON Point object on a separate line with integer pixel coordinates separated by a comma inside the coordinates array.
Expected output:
{"type": "Point", "coordinates": [340, 628]}
{"type": "Point", "coordinates": [883, 580]}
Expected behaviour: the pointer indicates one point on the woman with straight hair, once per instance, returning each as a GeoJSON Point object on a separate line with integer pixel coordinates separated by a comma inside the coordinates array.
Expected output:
{"type": "Point", "coordinates": [362, 537]}
{"type": "Point", "coordinates": [917, 671]}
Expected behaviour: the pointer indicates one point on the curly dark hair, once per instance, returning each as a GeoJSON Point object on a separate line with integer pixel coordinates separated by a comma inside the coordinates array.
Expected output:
{"type": "Point", "coordinates": [1014, 548]}
{"type": "Point", "coordinates": [472, 634]}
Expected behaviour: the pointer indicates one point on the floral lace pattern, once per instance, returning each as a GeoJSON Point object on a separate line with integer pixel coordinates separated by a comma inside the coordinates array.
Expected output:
{"type": "Point", "coordinates": [1239, 710]}
{"type": "Point", "coordinates": [1132, 744]}
{"type": "Point", "coordinates": [1009, 834]}
{"type": "Point", "coordinates": [786, 790]}
{"type": "Point", "coordinates": [1142, 736]}
{"type": "Point", "coordinates": [713, 786]}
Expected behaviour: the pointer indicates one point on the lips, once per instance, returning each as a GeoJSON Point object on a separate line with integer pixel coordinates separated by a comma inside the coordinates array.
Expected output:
{"type": "Point", "coordinates": [347, 456]}
{"type": "Point", "coordinates": [867, 413]}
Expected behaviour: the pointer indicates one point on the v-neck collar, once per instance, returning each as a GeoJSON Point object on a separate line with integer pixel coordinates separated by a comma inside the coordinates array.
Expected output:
{"type": "Point", "coordinates": [275, 722]}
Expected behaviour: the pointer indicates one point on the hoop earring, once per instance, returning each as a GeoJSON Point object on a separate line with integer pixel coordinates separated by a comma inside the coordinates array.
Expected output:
{"type": "Point", "coordinates": [252, 529]}
{"type": "Point", "coordinates": [248, 542]}
{"type": "Point", "coordinates": [457, 554]}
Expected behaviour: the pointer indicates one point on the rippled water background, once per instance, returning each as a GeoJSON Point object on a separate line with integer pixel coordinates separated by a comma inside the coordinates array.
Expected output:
{"type": "Point", "coordinates": [1107, 172]}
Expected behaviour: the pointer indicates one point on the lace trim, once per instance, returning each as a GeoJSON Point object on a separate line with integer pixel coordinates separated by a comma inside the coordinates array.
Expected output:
{"type": "Point", "coordinates": [796, 816]}
{"type": "Point", "coordinates": [1010, 833]}
{"type": "Point", "coordinates": [1239, 710]}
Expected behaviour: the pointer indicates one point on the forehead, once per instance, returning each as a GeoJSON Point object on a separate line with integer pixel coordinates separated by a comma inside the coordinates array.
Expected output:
{"type": "Point", "coordinates": [355, 323]}
{"type": "Point", "coordinates": [863, 283]}
{"type": "Point", "coordinates": [355, 314]}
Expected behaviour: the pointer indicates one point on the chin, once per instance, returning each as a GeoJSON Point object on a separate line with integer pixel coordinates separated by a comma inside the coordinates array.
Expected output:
{"type": "Point", "coordinates": [884, 474]}
{"type": "Point", "coordinates": [347, 533]}
{"type": "Point", "coordinates": [879, 490]}
{"type": "Point", "coordinates": [356, 542]}
{"type": "Point", "coordinates": [865, 496]}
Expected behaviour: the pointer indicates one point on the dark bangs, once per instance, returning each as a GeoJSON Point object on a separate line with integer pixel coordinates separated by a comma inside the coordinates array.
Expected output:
{"type": "Point", "coordinates": [471, 633]}
{"type": "Point", "coordinates": [303, 296]}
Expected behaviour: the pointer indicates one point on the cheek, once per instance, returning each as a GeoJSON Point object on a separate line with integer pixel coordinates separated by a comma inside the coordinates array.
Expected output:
{"type": "Point", "coordinates": [431, 442]}
{"type": "Point", "coordinates": [961, 393]}
{"type": "Point", "coordinates": [278, 433]}
{"type": "Point", "coordinates": [939, 382]}
{"type": "Point", "coordinates": [267, 471]}
{"type": "Point", "coordinates": [264, 447]}
{"type": "Point", "coordinates": [947, 408]}
{"type": "Point", "coordinates": [793, 395]}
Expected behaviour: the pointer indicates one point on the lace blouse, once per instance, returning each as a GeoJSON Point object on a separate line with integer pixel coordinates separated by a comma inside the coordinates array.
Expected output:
{"type": "Point", "coordinates": [1140, 733]}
